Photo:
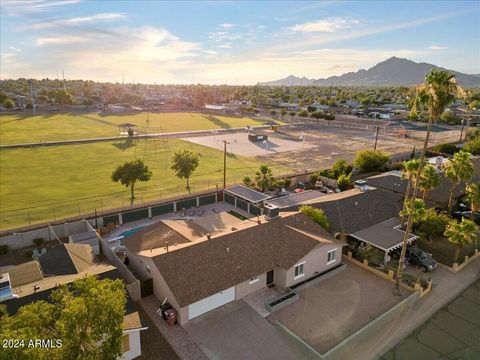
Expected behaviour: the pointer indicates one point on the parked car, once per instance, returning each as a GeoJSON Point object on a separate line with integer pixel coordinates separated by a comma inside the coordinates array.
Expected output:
{"type": "Point", "coordinates": [459, 215]}
{"type": "Point", "coordinates": [417, 257]}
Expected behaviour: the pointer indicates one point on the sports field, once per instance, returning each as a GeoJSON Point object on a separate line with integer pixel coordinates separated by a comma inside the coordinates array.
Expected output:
{"type": "Point", "coordinates": [17, 129]}
{"type": "Point", "coordinates": [33, 180]}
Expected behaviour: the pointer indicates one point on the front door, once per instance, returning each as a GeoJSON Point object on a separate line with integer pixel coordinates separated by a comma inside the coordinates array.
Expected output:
{"type": "Point", "coordinates": [270, 277]}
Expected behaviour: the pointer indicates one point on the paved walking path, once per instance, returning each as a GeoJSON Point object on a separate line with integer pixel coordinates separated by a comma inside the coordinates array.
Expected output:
{"type": "Point", "coordinates": [446, 287]}
{"type": "Point", "coordinates": [181, 134]}
{"type": "Point", "coordinates": [177, 337]}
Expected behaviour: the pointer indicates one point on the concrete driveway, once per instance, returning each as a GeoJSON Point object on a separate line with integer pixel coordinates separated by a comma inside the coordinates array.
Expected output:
{"type": "Point", "coordinates": [237, 332]}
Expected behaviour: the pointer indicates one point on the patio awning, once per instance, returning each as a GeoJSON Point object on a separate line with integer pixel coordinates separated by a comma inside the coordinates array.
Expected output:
{"type": "Point", "coordinates": [385, 236]}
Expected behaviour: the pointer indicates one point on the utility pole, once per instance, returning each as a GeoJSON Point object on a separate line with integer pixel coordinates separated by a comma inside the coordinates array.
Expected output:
{"type": "Point", "coordinates": [461, 130]}
{"type": "Point", "coordinates": [225, 142]}
{"type": "Point", "coordinates": [376, 138]}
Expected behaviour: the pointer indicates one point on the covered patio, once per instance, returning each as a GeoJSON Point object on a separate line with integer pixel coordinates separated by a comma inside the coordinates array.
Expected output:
{"type": "Point", "coordinates": [386, 236]}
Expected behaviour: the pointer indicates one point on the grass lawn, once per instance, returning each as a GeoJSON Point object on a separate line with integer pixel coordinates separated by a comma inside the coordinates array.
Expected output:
{"type": "Point", "coordinates": [16, 129]}
{"type": "Point", "coordinates": [34, 180]}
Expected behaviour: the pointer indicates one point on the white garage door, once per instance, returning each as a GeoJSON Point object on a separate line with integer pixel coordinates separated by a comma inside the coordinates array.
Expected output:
{"type": "Point", "coordinates": [211, 302]}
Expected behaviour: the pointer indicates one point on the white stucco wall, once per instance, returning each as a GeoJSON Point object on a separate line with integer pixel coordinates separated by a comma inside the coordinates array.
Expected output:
{"type": "Point", "coordinates": [135, 345]}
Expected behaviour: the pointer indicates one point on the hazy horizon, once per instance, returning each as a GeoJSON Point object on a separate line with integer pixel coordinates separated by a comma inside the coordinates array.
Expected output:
{"type": "Point", "coordinates": [233, 43]}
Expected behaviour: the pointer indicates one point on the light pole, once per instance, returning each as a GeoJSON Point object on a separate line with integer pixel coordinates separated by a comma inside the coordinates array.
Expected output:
{"type": "Point", "coordinates": [225, 142]}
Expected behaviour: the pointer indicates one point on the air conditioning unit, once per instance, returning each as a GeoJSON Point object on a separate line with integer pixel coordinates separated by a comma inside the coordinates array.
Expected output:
{"type": "Point", "coordinates": [361, 185]}
{"type": "Point", "coordinates": [271, 211]}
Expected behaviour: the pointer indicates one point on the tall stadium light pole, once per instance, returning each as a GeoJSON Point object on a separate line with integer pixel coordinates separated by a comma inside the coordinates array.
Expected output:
{"type": "Point", "coordinates": [225, 142]}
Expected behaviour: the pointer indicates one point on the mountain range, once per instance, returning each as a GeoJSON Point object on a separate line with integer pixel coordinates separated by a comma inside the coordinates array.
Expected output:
{"type": "Point", "coordinates": [394, 71]}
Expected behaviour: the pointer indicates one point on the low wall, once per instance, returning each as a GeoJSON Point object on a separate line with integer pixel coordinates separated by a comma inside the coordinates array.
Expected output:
{"type": "Point", "coordinates": [389, 276]}
{"type": "Point", "coordinates": [320, 278]}
{"type": "Point", "coordinates": [281, 305]}
{"type": "Point", "coordinates": [338, 352]}
{"type": "Point", "coordinates": [456, 267]}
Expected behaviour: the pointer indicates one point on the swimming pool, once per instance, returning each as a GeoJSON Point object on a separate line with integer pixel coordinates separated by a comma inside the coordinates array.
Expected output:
{"type": "Point", "coordinates": [130, 232]}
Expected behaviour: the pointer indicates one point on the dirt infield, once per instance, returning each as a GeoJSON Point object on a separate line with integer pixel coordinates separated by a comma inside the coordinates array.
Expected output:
{"type": "Point", "coordinates": [320, 147]}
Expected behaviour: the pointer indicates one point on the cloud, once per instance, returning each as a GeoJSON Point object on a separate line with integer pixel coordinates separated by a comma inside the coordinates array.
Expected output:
{"type": "Point", "coordinates": [74, 21]}
{"type": "Point", "coordinates": [21, 7]}
{"type": "Point", "coordinates": [226, 25]}
{"type": "Point", "coordinates": [329, 25]}
{"type": "Point", "coordinates": [60, 40]}
{"type": "Point", "coordinates": [437, 47]}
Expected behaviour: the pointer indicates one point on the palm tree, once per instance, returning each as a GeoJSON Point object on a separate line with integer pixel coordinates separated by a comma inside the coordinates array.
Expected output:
{"type": "Point", "coordinates": [429, 180]}
{"type": "Point", "coordinates": [458, 169]}
{"type": "Point", "coordinates": [410, 168]}
{"type": "Point", "coordinates": [439, 90]}
{"type": "Point", "coordinates": [473, 196]}
{"type": "Point", "coordinates": [461, 234]}
{"type": "Point", "coordinates": [264, 177]}
{"type": "Point", "coordinates": [417, 211]}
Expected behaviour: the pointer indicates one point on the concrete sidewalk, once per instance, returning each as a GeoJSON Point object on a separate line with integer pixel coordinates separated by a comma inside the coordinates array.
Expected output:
{"type": "Point", "coordinates": [446, 287]}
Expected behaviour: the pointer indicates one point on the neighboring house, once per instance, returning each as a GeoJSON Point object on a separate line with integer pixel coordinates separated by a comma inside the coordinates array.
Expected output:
{"type": "Point", "coordinates": [321, 107]}
{"type": "Point", "coordinates": [62, 264]}
{"type": "Point", "coordinates": [352, 104]}
{"type": "Point", "coordinates": [289, 106]}
{"type": "Point", "coordinates": [392, 181]}
{"type": "Point", "coordinates": [219, 109]}
{"type": "Point", "coordinates": [199, 269]}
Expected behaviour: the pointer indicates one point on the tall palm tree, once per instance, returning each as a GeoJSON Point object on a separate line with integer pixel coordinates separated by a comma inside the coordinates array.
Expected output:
{"type": "Point", "coordinates": [418, 210]}
{"type": "Point", "coordinates": [461, 234]}
{"type": "Point", "coordinates": [410, 168]}
{"type": "Point", "coordinates": [458, 169]}
{"type": "Point", "coordinates": [473, 196]}
{"type": "Point", "coordinates": [429, 180]}
{"type": "Point", "coordinates": [264, 177]}
{"type": "Point", "coordinates": [439, 90]}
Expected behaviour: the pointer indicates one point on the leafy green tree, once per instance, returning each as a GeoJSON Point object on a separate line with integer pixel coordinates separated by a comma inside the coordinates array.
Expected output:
{"type": "Point", "coordinates": [316, 215]}
{"type": "Point", "coordinates": [473, 146]}
{"type": "Point", "coordinates": [474, 134]}
{"type": "Point", "coordinates": [87, 316]}
{"type": "Point", "coordinates": [273, 112]}
{"type": "Point", "coordinates": [449, 117]}
{"type": "Point", "coordinates": [461, 234]}
{"type": "Point", "coordinates": [432, 225]}
{"type": "Point", "coordinates": [417, 210]}
{"type": "Point", "coordinates": [343, 181]}
{"type": "Point", "coordinates": [303, 113]}
{"type": "Point", "coordinates": [429, 180]}
{"type": "Point", "coordinates": [292, 114]}
{"type": "Point", "coordinates": [458, 169]}
{"type": "Point", "coordinates": [370, 160]}
{"type": "Point", "coordinates": [264, 179]}
{"type": "Point", "coordinates": [473, 196]}
{"type": "Point", "coordinates": [63, 97]}
{"type": "Point", "coordinates": [184, 163]}
{"type": "Point", "coordinates": [283, 112]}
{"type": "Point", "coordinates": [9, 103]}
{"type": "Point", "coordinates": [449, 149]}
{"type": "Point", "coordinates": [340, 167]}
{"type": "Point", "coordinates": [129, 173]}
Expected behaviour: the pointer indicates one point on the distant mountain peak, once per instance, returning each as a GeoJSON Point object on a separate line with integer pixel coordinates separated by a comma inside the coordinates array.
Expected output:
{"type": "Point", "coordinates": [393, 71]}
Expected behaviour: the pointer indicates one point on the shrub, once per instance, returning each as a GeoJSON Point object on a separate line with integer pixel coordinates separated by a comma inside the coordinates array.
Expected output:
{"type": "Point", "coordinates": [316, 215]}
{"type": "Point", "coordinates": [370, 160]}
{"type": "Point", "coordinates": [3, 249]}
{"type": "Point", "coordinates": [38, 241]}
{"type": "Point", "coordinates": [373, 255]}
{"type": "Point", "coordinates": [473, 134]}
{"type": "Point", "coordinates": [449, 149]}
{"type": "Point", "coordinates": [449, 117]}
{"type": "Point", "coordinates": [473, 146]}
{"type": "Point", "coordinates": [432, 225]}
{"type": "Point", "coordinates": [303, 113]}
{"type": "Point", "coordinates": [343, 181]}
{"type": "Point", "coordinates": [340, 167]}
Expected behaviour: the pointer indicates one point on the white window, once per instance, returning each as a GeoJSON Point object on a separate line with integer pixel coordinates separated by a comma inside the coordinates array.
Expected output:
{"type": "Point", "coordinates": [331, 256]}
{"type": "Point", "coordinates": [253, 280]}
{"type": "Point", "coordinates": [299, 271]}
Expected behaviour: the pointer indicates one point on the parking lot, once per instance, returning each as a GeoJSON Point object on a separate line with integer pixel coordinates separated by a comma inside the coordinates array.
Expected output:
{"type": "Point", "coordinates": [334, 309]}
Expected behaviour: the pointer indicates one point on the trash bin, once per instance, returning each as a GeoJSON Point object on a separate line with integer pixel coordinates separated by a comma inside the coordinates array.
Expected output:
{"type": "Point", "coordinates": [163, 308]}
{"type": "Point", "coordinates": [171, 316]}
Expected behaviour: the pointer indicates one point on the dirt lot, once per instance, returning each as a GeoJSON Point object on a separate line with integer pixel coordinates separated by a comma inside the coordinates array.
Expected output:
{"type": "Point", "coordinates": [322, 144]}
{"type": "Point", "coordinates": [332, 310]}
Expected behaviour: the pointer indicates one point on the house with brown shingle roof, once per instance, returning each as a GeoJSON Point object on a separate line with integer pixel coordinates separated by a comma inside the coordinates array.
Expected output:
{"type": "Point", "coordinates": [63, 264]}
{"type": "Point", "coordinates": [199, 271]}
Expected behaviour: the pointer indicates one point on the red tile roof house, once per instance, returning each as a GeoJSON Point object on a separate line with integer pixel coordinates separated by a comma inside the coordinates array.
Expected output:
{"type": "Point", "coordinates": [198, 271]}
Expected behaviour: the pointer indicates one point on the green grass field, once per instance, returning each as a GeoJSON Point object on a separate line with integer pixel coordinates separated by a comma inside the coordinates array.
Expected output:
{"type": "Point", "coordinates": [33, 180]}
{"type": "Point", "coordinates": [16, 129]}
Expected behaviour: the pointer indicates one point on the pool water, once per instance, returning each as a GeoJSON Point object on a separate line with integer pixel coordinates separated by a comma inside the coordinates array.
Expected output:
{"type": "Point", "coordinates": [5, 293]}
{"type": "Point", "coordinates": [130, 232]}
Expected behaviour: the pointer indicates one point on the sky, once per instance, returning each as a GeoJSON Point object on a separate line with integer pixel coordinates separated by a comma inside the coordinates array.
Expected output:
{"type": "Point", "coordinates": [230, 42]}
